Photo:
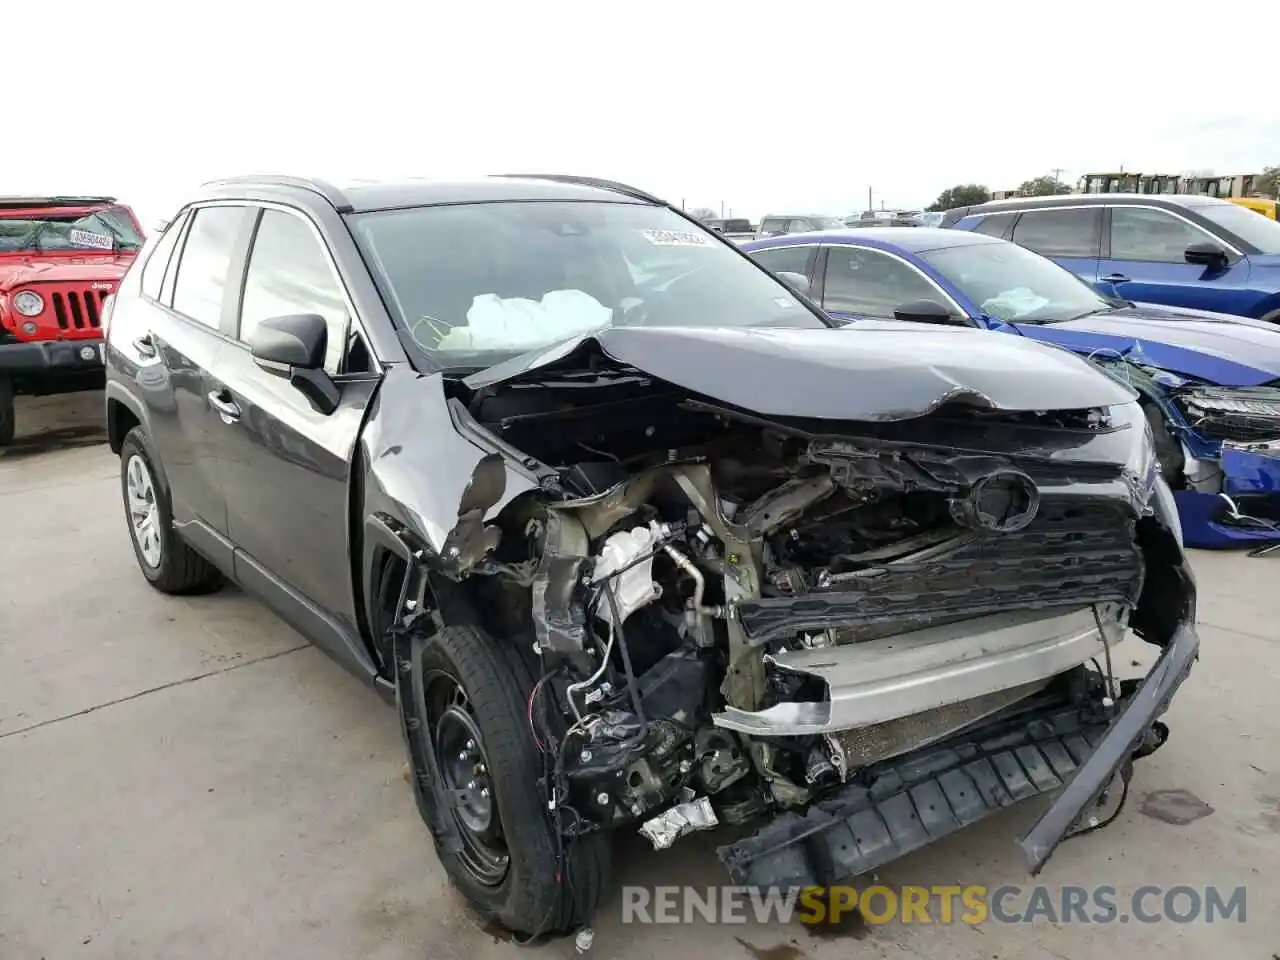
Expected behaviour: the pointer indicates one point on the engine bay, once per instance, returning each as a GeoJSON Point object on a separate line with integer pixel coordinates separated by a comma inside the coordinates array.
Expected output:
{"type": "Point", "coordinates": [675, 550]}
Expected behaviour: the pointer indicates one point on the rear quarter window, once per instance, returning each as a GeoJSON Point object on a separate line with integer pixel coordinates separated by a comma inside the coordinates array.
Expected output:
{"type": "Point", "coordinates": [995, 224]}
{"type": "Point", "coordinates": [158, 259]}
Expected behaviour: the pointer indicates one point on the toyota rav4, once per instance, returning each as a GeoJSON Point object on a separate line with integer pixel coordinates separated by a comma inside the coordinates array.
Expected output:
{"type": "Point", "coordinates": [634, 537]}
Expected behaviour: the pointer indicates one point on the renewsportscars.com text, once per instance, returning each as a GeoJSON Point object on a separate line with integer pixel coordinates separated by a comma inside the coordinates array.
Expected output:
{"type": "Point", "coordinates": [939, 904]}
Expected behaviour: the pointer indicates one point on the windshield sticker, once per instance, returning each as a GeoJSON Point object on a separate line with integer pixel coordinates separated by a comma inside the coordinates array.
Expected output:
{"type": "Point", "coordinates": [675, 238]}
{"type": "Point", "coordinates": [95, 241]}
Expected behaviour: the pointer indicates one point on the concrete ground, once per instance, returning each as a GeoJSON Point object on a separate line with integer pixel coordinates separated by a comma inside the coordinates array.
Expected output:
{"type": "Point", "coordinates": [188, 778]}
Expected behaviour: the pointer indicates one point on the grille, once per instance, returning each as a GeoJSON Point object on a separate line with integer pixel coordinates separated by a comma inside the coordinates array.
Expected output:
{"type": "Point", "coordinates": [1072, 554]}
{"type": "Point", "coordinates": [79, 309]}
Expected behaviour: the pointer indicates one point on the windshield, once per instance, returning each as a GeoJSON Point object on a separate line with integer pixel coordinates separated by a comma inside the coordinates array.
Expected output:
{"type": "Point", "coordinates": [1013, 284]}
{"type": "Point", "coordinates": [107, 230]}
{"type": "Point", "coordinates": [475, 284]}
{"type": "Point", "coordinates": [1249, 225]}
{"type": "Point", "coordinates": [826, 223]}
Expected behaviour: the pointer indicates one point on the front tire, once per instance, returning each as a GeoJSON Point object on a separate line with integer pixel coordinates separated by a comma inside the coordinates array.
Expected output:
{"type": "Point", "coordinates": [168, 563]}
{"type": "Point", "coordinates": [512, 866]}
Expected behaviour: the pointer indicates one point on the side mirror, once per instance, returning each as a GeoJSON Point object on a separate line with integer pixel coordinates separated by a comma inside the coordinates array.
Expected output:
{"type": "Point", "coordinates": [1206, 255]}
{"type": "Point", "coordinates": [796, 281]}
{"type": "Point", "coordinates": [293, 347]}
{"type": "Point", "coordinates": [926, 311]}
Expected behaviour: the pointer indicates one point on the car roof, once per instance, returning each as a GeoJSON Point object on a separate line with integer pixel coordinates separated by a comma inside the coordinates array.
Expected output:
{"type": "Point", "coordinates": [798, 216]}
{"type": "Point", "coordinates": [909, 239]}
{"type": "Point", "coordinates": [1183, 200]}
{"type": "Point", "coordinates": [10, 202]}
{"type": "Point", "coordinates": [361, 196]}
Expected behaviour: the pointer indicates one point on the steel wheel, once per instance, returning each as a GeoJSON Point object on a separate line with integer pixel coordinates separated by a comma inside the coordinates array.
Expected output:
{"type": "Point", "coordinates": [464, 768]}
{"type": "Point", "coordinates": [144, 514]}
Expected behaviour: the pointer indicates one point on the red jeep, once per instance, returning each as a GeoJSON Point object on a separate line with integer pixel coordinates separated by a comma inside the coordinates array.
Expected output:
{"type": "Point", "coordinates": [60, 258]}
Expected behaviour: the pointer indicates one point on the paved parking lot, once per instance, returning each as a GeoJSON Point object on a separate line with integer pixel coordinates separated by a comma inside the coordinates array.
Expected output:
{"type": "Point", "coordinates": [187, 778]}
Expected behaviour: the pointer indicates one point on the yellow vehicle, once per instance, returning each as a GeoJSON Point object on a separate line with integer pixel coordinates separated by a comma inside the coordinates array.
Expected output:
{"type": "Point", "coordinates": [1260, 205]}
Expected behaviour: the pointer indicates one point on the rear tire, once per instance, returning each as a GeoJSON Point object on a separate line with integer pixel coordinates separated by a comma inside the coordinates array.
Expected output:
{"type": "Point", "coordinates": [8, 418]}
{"type": "Point", "coordinates": [168, 563]}
{"type": "Point", "coordinates": [537, 890]}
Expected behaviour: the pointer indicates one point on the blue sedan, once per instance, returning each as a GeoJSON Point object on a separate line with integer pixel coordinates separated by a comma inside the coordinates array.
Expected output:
{"type": "Point", "coordinates": [1210, 383]}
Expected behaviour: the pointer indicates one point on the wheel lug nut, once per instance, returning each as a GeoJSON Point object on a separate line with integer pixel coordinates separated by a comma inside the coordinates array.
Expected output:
{"type": "Point", "coordinates": [471, 784]}
{"type": "Point", "coordinates": [471, 744]}
{"type": "Point", "coordinates": [484, 791]}
{"type": "Point", "coordinates": [462, 755]}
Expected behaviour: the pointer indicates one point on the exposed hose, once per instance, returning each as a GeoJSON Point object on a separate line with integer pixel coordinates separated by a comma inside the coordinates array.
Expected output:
{"type": "Point", "coordinates": [604, 664]}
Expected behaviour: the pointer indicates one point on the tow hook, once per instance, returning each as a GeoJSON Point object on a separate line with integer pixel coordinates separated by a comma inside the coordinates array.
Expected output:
{"type": "Point", "coordinates": [1157, 736]}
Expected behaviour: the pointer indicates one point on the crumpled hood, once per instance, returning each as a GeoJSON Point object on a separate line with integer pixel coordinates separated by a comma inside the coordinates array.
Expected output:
{"type": "Point", "coordinates": [16, 271]}
{"type": "Point", "coordinates": [1215, 347]}
{"type": "Point", "coordinates": [877, 371]}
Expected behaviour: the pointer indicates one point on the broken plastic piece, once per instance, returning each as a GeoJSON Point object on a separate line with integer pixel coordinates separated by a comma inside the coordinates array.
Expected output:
{"type": "Point", "coordinates": [668, 827]}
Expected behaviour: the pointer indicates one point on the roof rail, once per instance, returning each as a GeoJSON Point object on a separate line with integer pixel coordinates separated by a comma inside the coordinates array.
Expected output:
{"type": "Point", "coordinates": [612, 186]}
{"type": "Point", "coordinates": [52, 201]}
{"type": "Point", "coordinates": [319, 187]}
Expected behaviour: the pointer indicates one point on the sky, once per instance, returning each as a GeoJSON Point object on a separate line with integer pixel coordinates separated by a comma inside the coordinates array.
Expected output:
{"type": "Point", "coordinates": [795, 107]}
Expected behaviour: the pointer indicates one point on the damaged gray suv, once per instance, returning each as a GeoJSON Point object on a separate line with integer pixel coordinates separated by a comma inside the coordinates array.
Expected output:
{"type": "Point", "coordinates": [634, 538]}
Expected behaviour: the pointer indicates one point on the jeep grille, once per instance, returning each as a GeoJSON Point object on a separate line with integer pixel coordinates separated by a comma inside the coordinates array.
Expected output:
{"type": "Point", "coordinates": [79, 309]}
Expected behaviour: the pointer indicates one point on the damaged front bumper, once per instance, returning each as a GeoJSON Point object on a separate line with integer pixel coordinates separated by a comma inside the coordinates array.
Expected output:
{"type": "Point", "coordinates": [1247, 511]}
{"type": "Point", "coordinates": [897, 677]}
{"type": "Point", "coordinates": [916, 799]}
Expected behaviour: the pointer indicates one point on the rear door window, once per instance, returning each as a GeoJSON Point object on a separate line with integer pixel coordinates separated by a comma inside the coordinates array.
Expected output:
{"type": "Point", "coordinates": [1069, 232]}
{"type": "Point", "coordinates": [771, 226]}
{"type": "Point", "coordinates": [201, 283]}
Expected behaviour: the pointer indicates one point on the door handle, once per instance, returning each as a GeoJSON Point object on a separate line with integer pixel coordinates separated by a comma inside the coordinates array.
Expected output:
{"type": "Point", "coordinates": [227, 409]}
{"type": "Point", "coordinates": [144, 345]}
{"type": "Point", "coordinates": [1115, 278]}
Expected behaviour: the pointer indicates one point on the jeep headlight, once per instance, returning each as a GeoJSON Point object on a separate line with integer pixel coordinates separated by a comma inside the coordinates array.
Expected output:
{"type": "Point", "coordinates": [28, 303]}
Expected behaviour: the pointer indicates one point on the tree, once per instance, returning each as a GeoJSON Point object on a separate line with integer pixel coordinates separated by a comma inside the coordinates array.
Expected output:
{"type": "Point", "coordinates": [1269, 182]}
{"type": "Point", "coordinates": [703, 213]}
{"type": "Point", "coordinates": [962, 194]}
{"type": "Point", "coordinates": [1043, 187]}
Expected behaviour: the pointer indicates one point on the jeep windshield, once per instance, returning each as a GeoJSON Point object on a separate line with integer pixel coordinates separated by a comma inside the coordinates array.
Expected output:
{"type": "Point", "coordinates": [472, 285]}
{"type": "Point", "coordinates": [107, 230]}
{"type": "Point", "coordinates": [1013, 284]}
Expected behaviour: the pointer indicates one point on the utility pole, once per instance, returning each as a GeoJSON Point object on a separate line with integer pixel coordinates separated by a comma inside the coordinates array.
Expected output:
{"type": "Point", "coordinates": [1057, 173]}
{"type": "Point", "coordinates": [870, 205]}
{"type": "Point", "coordinates": [721, 209]}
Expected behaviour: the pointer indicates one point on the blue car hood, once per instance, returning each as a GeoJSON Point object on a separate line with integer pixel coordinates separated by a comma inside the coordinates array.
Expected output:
{"type": "Point", "coordinates": [1213, 347]}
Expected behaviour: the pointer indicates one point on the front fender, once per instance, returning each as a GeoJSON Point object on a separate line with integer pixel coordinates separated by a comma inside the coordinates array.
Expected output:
{"type": "Point", "coordinates": [422, 474]}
